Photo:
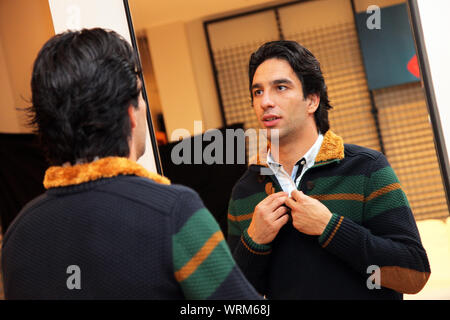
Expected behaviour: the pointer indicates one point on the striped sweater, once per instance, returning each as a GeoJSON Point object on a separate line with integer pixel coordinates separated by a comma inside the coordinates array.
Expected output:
{"type": "Point", "coordinates": [129, 234]}
{"type": "Point", "coordinates": [372, 228]}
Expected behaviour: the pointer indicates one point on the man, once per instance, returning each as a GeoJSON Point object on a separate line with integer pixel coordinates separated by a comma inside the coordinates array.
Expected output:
{"type": "Point", "coordinates": [329, 214]}
{"type": "Point", "coordinates": [106, 228]}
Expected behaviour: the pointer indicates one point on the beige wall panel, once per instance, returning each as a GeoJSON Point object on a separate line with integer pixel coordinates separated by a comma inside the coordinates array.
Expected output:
{"type": "Point", "coordinates": [203, 73]}
{"type": "Point", "coordinates": [152, 13]}
{"type": "Point", "coordinates": [242, 30]}
{"type": "Point", "coordinates": [362, 5]}
{"type": "Point", "coordinates": [25, 25]}
{"type": "Point", "coordinates": [175, 77]}
{"type": "Point", "coordinates": [314, 14]}
{"type": "Point", "coordinates": [8, 117]}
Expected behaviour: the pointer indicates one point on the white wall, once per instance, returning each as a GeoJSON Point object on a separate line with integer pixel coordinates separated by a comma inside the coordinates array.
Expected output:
{"type": "Point", "coordinates": [77, 14]}
{"type": "Point", "coordinates": [435, 26]}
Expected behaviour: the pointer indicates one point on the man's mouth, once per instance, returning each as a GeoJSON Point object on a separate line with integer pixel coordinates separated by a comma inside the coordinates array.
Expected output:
{"type": "Point", "coordinates": [270, 120]}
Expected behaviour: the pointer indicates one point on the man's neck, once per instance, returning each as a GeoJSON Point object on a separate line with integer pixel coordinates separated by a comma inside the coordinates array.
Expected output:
{"type": "Point", "coordinates": [131, 145]}
{"type": "Point", "coordinates": [293, 148]}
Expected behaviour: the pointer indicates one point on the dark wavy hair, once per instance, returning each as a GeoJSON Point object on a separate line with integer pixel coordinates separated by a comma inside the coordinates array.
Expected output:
{"type": "Point", "coordinates": [305, 66]}
{"type": "Point", "coordinates": [82, 84]}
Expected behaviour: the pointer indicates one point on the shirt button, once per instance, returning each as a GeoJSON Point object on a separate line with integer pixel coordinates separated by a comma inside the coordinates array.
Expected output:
{"type": "Point", "coordinates": [310, 185]}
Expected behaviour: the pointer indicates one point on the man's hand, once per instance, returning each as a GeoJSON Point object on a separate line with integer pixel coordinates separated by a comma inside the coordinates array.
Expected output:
{"type": "Point", "coordinates": [268, 218]}
{"type": "Point", "coordinates": [309, 215]}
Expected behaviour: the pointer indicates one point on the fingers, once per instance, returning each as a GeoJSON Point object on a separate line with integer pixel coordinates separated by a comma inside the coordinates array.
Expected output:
{"type": "Point", "coordinates": [277, 202]}
{"type": "Point", "coordinates": [297, 195]}
{"type": "Point", "coordinates": [273, 201]}
{"type": "Point", "coordinates": [264, 225]}
{"type": "Point", "coordinates": [281, 221]}
{"type": "Point", "coordinates": [290, 203]}
{"type": "Point", "coordinates": [279, 212]}
{"type": "Point", "coordinates": [275, 196]}
{"type": "Point", "coordinates": [269, 199]}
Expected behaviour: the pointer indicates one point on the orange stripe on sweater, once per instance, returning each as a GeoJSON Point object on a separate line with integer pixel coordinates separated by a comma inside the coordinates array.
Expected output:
{"type": "Point", "coordinates": [253, 251]}
{"type": "Point", "coordinates": [240, 218]}
{"type": "Point", "coordinates": [355, 196]}
{"type": "Point", "coordinates": [386, 189]}
{"type": "Point", "coordinates": [192, 265]}
{"type": "Point", "coordinates": [333, 233]}
{"type": "Point", "coordinates": [339, 196]}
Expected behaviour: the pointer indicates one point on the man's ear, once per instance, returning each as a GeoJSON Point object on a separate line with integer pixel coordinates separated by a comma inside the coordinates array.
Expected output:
{"type": "Point", "coordinates": [313, 102]}
{"type": "Point", "coordinates": [132, 116]}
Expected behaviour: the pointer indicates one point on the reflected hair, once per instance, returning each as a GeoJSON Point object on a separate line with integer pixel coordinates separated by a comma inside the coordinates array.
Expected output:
{"type": "Point", "coordinates": [305, 66]}
{"type": "Point", "coordinates": [82, 85]}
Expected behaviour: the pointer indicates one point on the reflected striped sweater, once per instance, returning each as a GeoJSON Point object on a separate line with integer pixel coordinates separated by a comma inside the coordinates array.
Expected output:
{"type": "Point", "coordinates": [371, 225]}
{"type": "Point", "coordinates": [131, 235]}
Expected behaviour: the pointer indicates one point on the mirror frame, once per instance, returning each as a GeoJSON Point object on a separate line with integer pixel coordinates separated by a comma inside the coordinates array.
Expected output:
{"type": "Point", "coordinates": [144, 91]}
{"type": "Point", "coordinates": [430, 97]}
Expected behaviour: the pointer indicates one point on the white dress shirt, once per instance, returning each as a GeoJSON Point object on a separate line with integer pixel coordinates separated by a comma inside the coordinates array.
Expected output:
{"type": "Point", "coordinates": [285, 180]}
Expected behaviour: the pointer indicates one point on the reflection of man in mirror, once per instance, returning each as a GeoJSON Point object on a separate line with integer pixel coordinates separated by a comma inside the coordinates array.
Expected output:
{"type": "Point", "coordinates": [330, 211]}
{"type": "Point", "coordinates": [106, 228]}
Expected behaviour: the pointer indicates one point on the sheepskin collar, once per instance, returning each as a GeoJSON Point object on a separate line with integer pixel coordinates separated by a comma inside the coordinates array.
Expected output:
{"type": "Point", "coordinates": [59, 176]}
{"type": "Point", "coordinates": [332, 148]}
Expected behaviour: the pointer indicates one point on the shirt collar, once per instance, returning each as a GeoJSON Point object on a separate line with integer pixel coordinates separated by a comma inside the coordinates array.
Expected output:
{"type": "Point", "coordinates": [309, 156]}
{"type": "Point", "coordinates": [332, 149]}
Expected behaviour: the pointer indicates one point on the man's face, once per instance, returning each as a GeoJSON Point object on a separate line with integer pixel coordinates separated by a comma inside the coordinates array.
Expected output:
{"type": "Point", "coordinates": [278, 99]}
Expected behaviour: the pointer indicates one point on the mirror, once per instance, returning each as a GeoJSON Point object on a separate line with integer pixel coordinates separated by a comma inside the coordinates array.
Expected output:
{"type": "Point", "coordinates": [195, 57]}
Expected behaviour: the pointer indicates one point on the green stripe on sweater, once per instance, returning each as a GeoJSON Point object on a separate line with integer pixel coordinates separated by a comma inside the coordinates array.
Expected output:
{"type": "Point", "coordinates": [339, 184]}
{"type": "Point", "coordinates": [234, 228]}
{"type": "Point", "coordinates": [387, 201]}
{"type": "Point", "coordinates": [384, 193]}
{"type": "Point", "coordinates": [192, 236]}
{"type": "Point", "coordinates": [381, 178]}
{"type": "Point", "coordinates": [210, 274]}
{"type": "Point", "coordinates": [347, 208]}
{"type": "Point", "coordinates": [329, 228]}
{"type": "Point", "coordinates": [246, 205]}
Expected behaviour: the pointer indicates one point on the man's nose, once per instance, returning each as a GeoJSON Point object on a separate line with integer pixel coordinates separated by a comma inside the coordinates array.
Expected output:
{"type": "Point", "coordinates": [267, 101]}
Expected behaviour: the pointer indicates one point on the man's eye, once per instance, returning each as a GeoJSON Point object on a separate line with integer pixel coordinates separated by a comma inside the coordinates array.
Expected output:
{"type": "Point", "coordinates": [281, 88]}
{"type": "Point", "coordinates": [257, 92]}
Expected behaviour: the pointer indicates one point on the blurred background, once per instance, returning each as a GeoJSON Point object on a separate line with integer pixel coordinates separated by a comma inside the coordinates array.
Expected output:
{"type": "Point", "coordinates": [194, 56]}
